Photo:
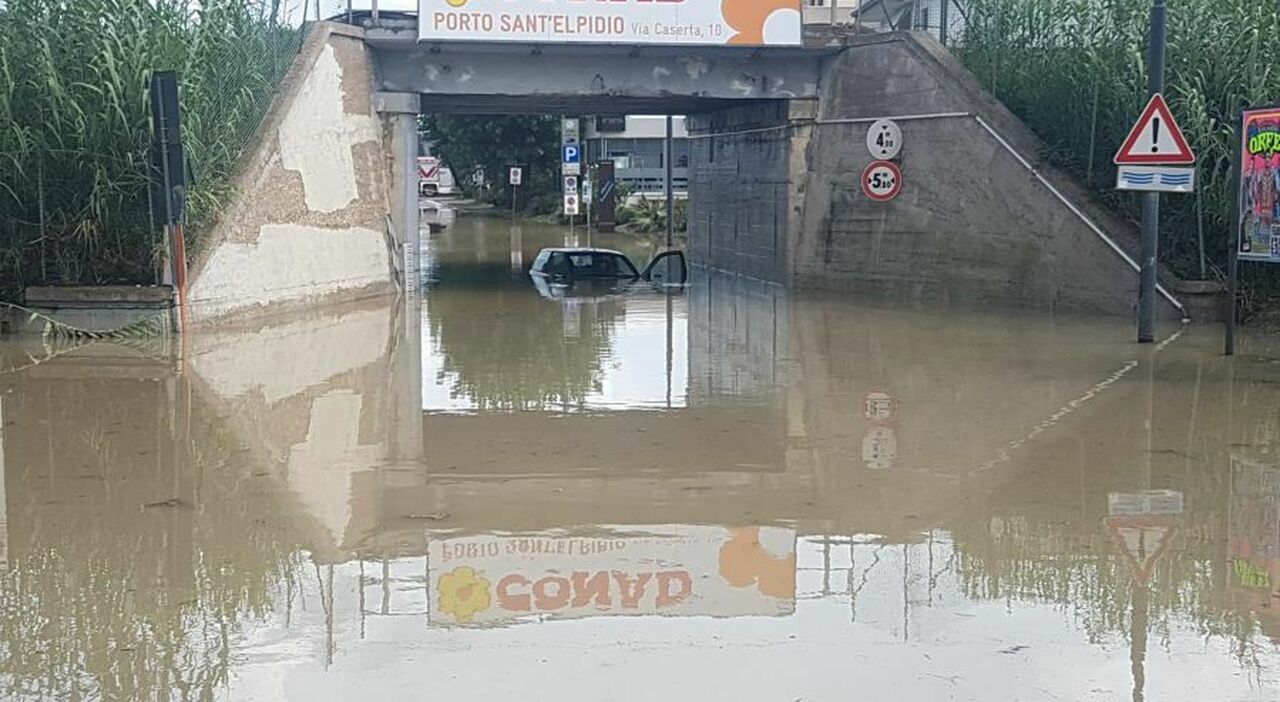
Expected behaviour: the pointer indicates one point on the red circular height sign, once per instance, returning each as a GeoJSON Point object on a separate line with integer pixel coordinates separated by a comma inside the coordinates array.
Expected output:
{"type": "Point", "coordinates": [882, 181]}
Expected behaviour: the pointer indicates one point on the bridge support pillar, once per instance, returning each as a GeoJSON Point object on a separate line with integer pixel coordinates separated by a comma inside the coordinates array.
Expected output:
{"type": "Point", "coordinates": [399, 113]}
{"type": "Point", "coordinates": [747, 176]}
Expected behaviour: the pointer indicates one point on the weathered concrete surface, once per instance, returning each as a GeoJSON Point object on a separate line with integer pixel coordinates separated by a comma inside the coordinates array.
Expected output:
{"type": "Point", "coordinates": [747, 173]}
{"type": "Point", "coordinates": [309, 220]}
{"type": "Point", "coordinates": [593, 78]}
{"type": "Point", "coordinates": [971, 223]}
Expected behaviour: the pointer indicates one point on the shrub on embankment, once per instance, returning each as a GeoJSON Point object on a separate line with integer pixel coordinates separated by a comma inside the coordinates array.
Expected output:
{"type": "Point", "coordinates": [75, 124]}
{"type": "Point", "coordinates": [1075, 72]}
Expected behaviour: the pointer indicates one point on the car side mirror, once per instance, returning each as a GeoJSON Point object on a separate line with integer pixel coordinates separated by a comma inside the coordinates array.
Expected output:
{"type": "Point", "coordinates": [667, 268]}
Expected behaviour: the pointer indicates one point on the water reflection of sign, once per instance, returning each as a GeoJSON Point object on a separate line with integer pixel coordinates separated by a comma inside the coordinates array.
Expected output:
{"type": "Point", "coordinates": [1142, 525]}
{"type": "Point", "coordinates": [1253, 528]}
{"type": "Point", "coordinates": [878, 406]}
{"type": "Point", "coordinates": [1259, 235]}
{"type": "Point", "coordinates": [880, 442]}
{"type": "Point", "coordinates": [879, 448]}
{"type": "Point", "coordinates": [672, 570]}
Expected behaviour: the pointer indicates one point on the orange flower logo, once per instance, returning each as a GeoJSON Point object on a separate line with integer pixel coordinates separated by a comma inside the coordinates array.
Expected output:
{"type": "Point", "coordinates": [745, 562]}
{"type": "Point", "coordinates": [748, 17]}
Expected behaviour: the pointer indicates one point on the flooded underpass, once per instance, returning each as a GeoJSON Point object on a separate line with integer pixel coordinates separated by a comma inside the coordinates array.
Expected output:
{"type": "Point", "coordinates": [724, 492]}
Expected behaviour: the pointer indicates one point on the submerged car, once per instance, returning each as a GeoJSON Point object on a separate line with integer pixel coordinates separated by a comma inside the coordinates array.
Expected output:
{"type": "Point", "coordinates": [565, 265]}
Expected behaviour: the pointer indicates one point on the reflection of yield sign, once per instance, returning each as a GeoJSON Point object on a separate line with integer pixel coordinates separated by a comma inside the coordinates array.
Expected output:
{"type": "Point", "coordinates": [1142, 541]}
{"type": "Point", "coordinates": [882, 181]}
{"type": "Point", "coordinates": [1142, 524]}
{"type": "Point", "coordinates": [1155, 139]}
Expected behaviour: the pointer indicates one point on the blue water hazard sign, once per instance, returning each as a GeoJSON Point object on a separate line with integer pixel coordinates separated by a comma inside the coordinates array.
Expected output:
{"type": "Point", "coordinates": [572, 153]}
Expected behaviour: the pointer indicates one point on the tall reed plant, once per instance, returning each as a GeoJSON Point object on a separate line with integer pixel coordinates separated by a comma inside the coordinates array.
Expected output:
{"type": "Point", "coordinates": [1075, 71]}
{"type": "Point", "coordinates": [75, 123]}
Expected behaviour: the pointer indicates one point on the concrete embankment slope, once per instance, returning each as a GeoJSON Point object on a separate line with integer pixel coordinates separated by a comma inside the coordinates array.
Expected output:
{"type": "Point", "coordinates": [309, 219]}
{"type": "Point", "coordinates": [980, 217]}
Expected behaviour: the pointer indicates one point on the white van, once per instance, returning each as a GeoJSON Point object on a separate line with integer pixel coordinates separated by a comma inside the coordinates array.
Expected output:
{"type": "Point", "coordinates": [434, 178]}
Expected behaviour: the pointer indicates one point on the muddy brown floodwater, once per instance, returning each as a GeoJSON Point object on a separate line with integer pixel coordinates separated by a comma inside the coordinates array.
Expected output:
{"type": "Point", "coordinates": [726, 493]}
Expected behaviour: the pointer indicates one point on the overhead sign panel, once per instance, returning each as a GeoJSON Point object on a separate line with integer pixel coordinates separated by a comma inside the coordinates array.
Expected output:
{"type": "Point", "coordinates": [631, 22]}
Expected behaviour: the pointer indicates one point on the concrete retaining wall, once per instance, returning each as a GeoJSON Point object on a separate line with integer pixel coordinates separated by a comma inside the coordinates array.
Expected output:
{"type": "Point", "coordinates": [972, 222]}
{"type": "Point", "coordinates": [775, 194]}
{"type": "Point", "coordinates": [309, 219]}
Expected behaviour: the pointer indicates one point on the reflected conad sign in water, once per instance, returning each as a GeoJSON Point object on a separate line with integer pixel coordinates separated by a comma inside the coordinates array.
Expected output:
{"type": "Point", "coordinates": [685, 22]}
{"type": "Point", "coordinates": [670, 570]}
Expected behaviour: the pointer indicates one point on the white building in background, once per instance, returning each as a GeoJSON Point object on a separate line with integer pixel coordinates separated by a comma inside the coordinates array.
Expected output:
{"type": "Point", "coordinates": [634, 144]}
{"type": "Point", "coordinates": [889, 15]}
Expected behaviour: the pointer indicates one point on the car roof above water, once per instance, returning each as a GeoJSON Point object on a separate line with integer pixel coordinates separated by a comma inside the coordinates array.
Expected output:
{"type": "Point", "coordinates": [582, 250]}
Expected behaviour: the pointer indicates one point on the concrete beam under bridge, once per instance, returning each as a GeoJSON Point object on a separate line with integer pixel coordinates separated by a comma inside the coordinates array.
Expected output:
{"type": "Point", "coordinates": [599, 78]}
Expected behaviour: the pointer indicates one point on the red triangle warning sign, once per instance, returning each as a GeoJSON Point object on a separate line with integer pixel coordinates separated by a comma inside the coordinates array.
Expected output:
{"type": "Point", "coordinates": [1155, 139]}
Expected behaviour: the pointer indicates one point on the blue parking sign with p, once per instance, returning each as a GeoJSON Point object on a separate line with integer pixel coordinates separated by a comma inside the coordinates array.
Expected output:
{"type": "Point", "coordinates": [572, 153]}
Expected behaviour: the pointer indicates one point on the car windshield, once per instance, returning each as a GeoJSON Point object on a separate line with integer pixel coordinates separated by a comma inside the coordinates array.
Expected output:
{"type": "Point", "coordinates": [601, 265]}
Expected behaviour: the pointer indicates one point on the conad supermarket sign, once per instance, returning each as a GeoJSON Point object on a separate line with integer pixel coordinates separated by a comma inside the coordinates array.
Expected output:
{"type": "Point", "coordinates": [690, 22]}
{"type": "Point", "coordinates": [671, 570]}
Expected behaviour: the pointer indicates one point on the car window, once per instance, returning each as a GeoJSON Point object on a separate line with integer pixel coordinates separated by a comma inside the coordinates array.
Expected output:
{"type": "Point", "coordinates": [541, 261]}
{"type": "Point", "coordinates": [601, 265]}
{"type": "Point", "coordinates": [558, 264]}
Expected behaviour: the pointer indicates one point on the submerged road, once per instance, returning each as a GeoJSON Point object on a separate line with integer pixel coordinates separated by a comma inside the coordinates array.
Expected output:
{"type": "Point", "coordinates": [731, 492]}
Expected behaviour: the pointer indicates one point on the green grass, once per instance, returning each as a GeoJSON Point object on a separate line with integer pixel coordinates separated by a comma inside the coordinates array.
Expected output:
{"type": "Point", "coordinates": [75, 125]}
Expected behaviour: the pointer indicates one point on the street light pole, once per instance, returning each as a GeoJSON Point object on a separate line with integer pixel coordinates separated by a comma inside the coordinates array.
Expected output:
{"type": "Point", "coordinates": [1150, 246]}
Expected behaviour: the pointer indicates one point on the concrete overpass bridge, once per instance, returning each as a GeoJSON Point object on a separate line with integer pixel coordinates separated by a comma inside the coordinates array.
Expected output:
{"type": "Point", "coordinates": [328, 206]}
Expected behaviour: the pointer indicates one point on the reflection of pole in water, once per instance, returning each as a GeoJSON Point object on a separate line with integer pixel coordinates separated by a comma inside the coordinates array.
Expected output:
{"type": "Point", "coordinates": [669, 351]}
{"type": "Point", "coordinates": [1140, 600]}
{"type": "Point", "coordinates": [517, 248]}
{"type": "Point", "coordinates": [906, 610]}
{"type": "Point", "coordinates": [4, 512]}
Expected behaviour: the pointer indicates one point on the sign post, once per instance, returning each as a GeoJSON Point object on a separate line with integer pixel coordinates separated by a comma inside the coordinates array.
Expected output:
{"type": "Point", "coordinates": [1151, 201]}
{"type": "Point", "coordinates": [514, 176]}
{"type": "Point", "coordinates": [1257, 236]}
{"type": "Point", "coordinates": [1154, 158]}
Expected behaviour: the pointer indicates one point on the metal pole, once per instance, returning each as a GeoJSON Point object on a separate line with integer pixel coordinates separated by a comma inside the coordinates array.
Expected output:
{"type": "Point", "coordinates": [1233, 272]}
{"type": "Point", "coordinates": [943, 19]}
{"type": "Point", "coordinates": [671, 221]}
{"type": "Point", "coordinates": [374, 11]}
{"type": "Point", "coordinates": [1151, 201]}
{"type": "Point", "coordinates": [1233, 242]}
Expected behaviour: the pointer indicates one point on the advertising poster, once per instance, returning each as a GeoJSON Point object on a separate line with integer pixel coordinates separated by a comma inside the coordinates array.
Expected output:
{"type": "Point", "coordinates": [1259, 238]}
{"type": "Point", "coordinates": [1253, 537]}
{"type": "Point", "coordinates": [684, 22]}
{"type": "Point", "coordinates": [668, 570]}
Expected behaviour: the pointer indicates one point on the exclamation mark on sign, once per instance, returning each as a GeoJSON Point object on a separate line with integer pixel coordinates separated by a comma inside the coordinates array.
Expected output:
{"type": "Point", "coordinates": [1155, 134]}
